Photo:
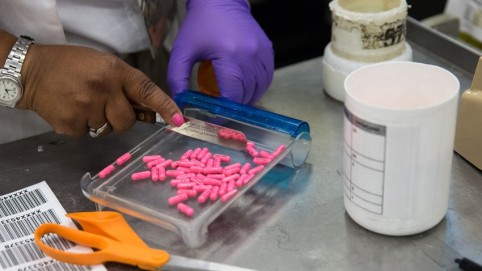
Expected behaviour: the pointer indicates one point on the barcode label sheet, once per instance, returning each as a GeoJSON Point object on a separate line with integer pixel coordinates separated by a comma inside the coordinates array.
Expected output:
{"type": "Point", "coordinates": [21, 212]}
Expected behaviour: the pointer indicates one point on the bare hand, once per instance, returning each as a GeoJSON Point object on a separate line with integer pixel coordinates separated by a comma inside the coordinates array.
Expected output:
{"type": "Point", "coordinates": [76, 88]}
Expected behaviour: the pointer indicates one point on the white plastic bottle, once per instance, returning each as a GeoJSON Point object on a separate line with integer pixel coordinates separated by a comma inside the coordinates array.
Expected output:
{"type": "Point", "coordinates": [363, 32]}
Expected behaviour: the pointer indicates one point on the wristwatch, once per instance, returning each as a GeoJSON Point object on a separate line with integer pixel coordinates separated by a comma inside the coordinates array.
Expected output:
{"type": "Point", "coordinates": [11, 89]}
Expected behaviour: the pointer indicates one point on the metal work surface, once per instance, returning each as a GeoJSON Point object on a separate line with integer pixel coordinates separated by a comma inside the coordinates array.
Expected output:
{"type": "Point", "coordinates": [291, 221]}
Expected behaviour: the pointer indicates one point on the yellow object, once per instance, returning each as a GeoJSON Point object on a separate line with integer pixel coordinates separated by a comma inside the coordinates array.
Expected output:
{"type": "Point", "coordinates": [470, 39]}
{"type": "Point", "coordinates": [468, 135]}
{"type": "Point", "coordinates": [107, 232]}
{"type": "Point", "coordinates": [206, 79]}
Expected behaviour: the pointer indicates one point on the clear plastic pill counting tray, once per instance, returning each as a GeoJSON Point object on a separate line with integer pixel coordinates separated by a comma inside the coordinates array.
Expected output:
{"type": "Point", "coordinates": [148, 200]}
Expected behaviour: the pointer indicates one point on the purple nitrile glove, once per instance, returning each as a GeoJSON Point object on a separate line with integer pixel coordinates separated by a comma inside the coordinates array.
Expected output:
{"type": "Point", "coordinates": [224, 32]}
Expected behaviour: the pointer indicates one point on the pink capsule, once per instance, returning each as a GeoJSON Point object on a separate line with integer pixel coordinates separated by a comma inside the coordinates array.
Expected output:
{"type": "Point", "coordinates": [198, 163]}
{"type": "Point", "coordinates": [204, 196]}
{"type": "Point", "coordinates": [186, 164]}
{"type": "Point", "coordinates": [245, 168]}
{"type": "Point", "coordinates": [252, 151]}
{"type": "Point", "coordinates": [206, 157]}
{"type": "Point", "coordinates": [196, 169]}
{"type": "Point", "coordinates": [222, 189]}
{"type": "Point", "coordinates": [176, 182]}
{"type": "Point", "coordinates": [265, 154]}
{"type": "Point", "coordinates": [202, 153]}
{"type": "Point", "coordinates": [202, 187]}
{"type": "Point", "coordinates": [242, 176]}
{"type": "Point", "coordinates": [189, 185]}
{"type": "Point", "coordinates": [210, 163]}
{"type": "Point", "coordinates": [161, 173]}
{"type": "Point", "coordinates": [278, 150]}
{"type": "Point", "coordinates": [106, 171]}
{"type": "Point", "coordinates": [228, 134]}
{"type": "Point", "coordinates": [185, 209]}
{"type": "Point", "coordinates": [195, 153]}
{"type": "Point", "coordinates": [250, 143]}
{"type": "Point", "coordinates": [174, 164]}
{"type": "Point", "coordinates": [231, 171]}
{"type": "Point", "coordinates": [256, 170]}
{"type": "Point", "coordinates": [187, 154]}
{"type": "Point", "coordinates": [247, 179]}
{"type": "Point", "coordinates": [231, 185]}
{"type": "Point", "coordinates": [216, 162]}
{"type": "Point", "coordinates": [239, 181]}
{"type": "Point", "coordinates": [155, 162]}
{"type": "Point", "coordinates": [166, 163]}
{"type": "Point", "coordinates": [222, 157]}
{"type": "Point", "coordinates": [174, 173]}
{"type": "Point", "coordinates": [261, 161]}
{"type": "Point", "coordinates": [240, 137]}
{"type": "Point", "coordinates": [141, 175]}
{"type": "Point", "coordinates": [200, 177]}
{"type": "Point", "coordinates": [235, 165]}
{"type": "Point", "coordinates": [154, 174]}
{"type": "Point", "coordinates": [223, 133]}
{"type": "Point", "coordinates": [228, 195]}
{"type": "Point", "coordinates": [215, 176]}
{"type": "Point", "coordinates": [185, 176]}
{"type": "Point", "coordinates": [214, 193]}
{"type": "Point", "coordinates": [190, 192]}
{"type": "Point", "coordinates": [123, 158]}
{"type": "Point", "coordinates": [185, 169]}
{"type": "Point", "coordinates": [148, 158]}
{"type": "Point", "coordinates": [229, 178]}
{"type": "Point", "coordinates": [177, 199]}
{"type": "Point", "coordinates": [209, 181]}
{"type": "Point", "coordinates": [213, 170]}
{"type": "Point", "coordinates": [196, 180]}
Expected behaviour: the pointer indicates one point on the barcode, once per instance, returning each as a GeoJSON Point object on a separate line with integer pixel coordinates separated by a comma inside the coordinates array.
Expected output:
{"type": "Point", "coordinates": [15, 255]}
{"type": "Point", "coordinates": [20, 202]}
{"type": "Point", "coordinates": [25, 225]}
{"type": "Point", "coordinates": [53, 265]}
{"type": "Point", "coordinates": [58, 266]}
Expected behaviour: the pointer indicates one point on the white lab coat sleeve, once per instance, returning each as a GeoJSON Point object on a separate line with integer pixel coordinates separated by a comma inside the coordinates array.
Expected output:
{"type": "Point", "coordinates": [40, 21]}
{"type": "Point", "coordinates": [37, 19]}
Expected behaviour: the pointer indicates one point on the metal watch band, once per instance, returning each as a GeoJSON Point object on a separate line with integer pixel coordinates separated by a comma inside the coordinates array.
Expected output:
{"type": "Point", "coordinates": [14, 62]}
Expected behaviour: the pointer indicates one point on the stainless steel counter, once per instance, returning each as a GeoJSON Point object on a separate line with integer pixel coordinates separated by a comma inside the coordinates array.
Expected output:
{"type": "Point", "coordinates": [285, 222]}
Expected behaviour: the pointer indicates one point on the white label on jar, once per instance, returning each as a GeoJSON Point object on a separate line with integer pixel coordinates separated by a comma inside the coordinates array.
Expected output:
{"type": "Point", "coordinates": [372, 35]}
{"type": "Point", "coordinates": [364, 162]}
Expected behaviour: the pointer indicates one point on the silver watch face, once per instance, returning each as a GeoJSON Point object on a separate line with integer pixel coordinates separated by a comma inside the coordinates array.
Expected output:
{"type": "Point", "coordinates": [10, 91]}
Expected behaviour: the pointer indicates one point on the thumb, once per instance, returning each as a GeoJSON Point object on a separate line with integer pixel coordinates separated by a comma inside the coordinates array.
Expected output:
{"type": "Point", "coordinates": [141, 90]}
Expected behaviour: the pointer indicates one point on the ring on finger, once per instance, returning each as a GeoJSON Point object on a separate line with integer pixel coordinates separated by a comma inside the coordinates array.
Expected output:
{"type": "Point", "coordinates": [97, 132]}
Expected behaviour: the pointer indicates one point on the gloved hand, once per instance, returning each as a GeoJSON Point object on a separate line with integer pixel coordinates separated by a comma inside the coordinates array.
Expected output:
{"type": "Point", "coordinates": [224, 32]}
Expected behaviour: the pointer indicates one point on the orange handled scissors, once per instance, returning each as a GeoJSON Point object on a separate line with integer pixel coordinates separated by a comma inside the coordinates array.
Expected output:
{"type": "Point", "coordinates": [114, 241]}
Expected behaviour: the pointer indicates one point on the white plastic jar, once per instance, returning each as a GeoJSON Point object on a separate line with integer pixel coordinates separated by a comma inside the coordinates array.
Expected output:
{"type": "Point", "coordinates": [363, 32]}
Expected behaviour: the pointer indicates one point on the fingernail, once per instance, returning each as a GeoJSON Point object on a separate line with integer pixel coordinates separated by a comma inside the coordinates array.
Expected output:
{"type": "Point", "coordinates": [177, 119]}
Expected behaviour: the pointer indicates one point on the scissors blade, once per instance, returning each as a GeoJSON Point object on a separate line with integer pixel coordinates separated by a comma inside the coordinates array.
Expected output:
{"type": "Point", "coordinates": [179, 263]}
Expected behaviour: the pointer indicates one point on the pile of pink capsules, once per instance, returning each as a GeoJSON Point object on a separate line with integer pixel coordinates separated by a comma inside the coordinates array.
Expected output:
{"type": "Point", "coordinates": [200, 173]}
